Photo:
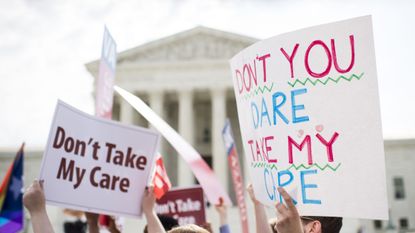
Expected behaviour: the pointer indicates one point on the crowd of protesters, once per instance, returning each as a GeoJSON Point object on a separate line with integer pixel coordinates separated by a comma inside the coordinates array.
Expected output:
{"type": "Point", "coordinates": [287, 219]}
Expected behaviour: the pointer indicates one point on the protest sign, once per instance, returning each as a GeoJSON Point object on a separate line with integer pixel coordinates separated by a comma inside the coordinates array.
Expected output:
{"type": "Point", "coordinates": [186, 205]}
{"type": "Point", "coordinates": [204, 174]}
{"type": "Point", "coordinates": [105, 81]}
{"type": "Point", "coordinates": [96, 165]}
{"type": "Point", "coordinates": [309, 116]}
{"type": "Point", "coordinates": [238, 184]}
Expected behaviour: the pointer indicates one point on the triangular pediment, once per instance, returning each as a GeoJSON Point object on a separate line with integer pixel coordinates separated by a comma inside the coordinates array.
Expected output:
{"type": "Point", "coordinates": [200, 43]}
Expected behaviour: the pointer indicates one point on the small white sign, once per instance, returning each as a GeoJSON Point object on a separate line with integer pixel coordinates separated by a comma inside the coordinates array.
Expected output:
{"type": "Point", "coordinates": [96, 165]}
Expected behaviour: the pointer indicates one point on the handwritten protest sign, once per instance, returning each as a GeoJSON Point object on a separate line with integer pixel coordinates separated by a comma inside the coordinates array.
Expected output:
{"type": "Point", "coordinates": [309, 113]}
{"type": "Point", "coordinates": [186, 205]}
{"type": "Point", "coordinates": [96, 165]}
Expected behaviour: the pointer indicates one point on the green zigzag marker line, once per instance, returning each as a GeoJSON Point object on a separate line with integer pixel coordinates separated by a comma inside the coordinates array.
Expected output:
{"type": "Point", "coordinates": [301, 166]}
{"type": "Point", "coordinates": [273, 166]}
{"type": "Point", "coordinates": [314, 165]}
{"type": "Point", "coordinates": [316, 81]}
{"type": "Point", "coordinates": [258, 90]}
{"type": "Point", "coordinates": [263, 164]}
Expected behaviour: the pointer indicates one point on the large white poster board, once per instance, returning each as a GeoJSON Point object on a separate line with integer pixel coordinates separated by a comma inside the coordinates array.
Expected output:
{"type": "Point", "coordinates": [309, 113]}
{"type": "Point", "coordinates": [96, 165]}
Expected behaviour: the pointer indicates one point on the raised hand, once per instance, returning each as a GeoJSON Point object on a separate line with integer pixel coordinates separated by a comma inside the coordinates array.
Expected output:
{"type": "Point", "coordinates": [34, 201]}
{"type": "Point", "coordinates": [288, 218]}
{"type": "Point", "coordinates": [34, 198]}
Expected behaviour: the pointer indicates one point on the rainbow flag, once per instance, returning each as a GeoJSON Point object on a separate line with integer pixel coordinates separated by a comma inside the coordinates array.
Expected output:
{"type": "Point", "coordinates": [11, 196]}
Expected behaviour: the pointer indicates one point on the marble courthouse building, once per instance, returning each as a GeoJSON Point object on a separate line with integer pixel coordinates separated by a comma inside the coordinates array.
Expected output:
{"type": "Point", "coordinates": [186, 79]}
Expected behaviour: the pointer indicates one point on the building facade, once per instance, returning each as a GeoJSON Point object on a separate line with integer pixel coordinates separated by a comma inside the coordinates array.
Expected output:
{"type": "Point", "coordinates": [186, 79]}
{"type": "Point", "coordinates": [400, 181]}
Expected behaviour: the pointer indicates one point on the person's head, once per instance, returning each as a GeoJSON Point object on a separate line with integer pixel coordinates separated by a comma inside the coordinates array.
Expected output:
{"type": "Point", "coordinates": [322, 224]}
{"type": "Point", "coordinates": [190, 228]}
{"type": "Point", "coordinates": [317, 224]}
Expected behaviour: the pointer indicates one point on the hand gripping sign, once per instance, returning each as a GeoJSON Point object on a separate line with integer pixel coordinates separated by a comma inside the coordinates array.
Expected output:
{"type": "Point", "coordinates": [309, 116]}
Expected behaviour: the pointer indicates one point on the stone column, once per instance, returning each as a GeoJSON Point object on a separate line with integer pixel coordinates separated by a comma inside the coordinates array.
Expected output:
{"type": "Point", "coordinates": [126, 112]}
{"type": "Point", "coordinates": [186, 130]}
{"type": "Point", "coordinates": [220, 164]}
{"type": "Point", "coordinates": [156, 99]}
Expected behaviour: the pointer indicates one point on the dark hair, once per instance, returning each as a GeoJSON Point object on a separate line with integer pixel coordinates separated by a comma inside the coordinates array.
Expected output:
{"type": "Point", "coordinates": [167, 222]}
{"type": "Point", "coordinates": [328, 224]}
{"type": "Point", "coordinates": [74, 227]}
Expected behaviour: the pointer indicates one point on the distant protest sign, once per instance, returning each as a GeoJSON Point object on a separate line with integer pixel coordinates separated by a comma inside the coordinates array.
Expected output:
{"type": "Point", "coordinates": [309, 115]}
{"type": "Point", "coordinates": [186, 205]}
{"type": "Point", "coordinates": [96, 165]}
{"type": "Point", "coordinates": [105, 81]}
{"type": "Point", "coordinates": [238, 183]}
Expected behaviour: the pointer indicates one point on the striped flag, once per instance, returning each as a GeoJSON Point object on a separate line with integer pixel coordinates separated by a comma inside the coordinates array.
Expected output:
{"type": "Point", "coordinates": [11, 204]}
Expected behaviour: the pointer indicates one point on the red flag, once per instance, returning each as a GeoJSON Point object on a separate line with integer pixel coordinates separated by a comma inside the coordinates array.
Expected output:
{"type": "Point", "coordinates": [161, 181]}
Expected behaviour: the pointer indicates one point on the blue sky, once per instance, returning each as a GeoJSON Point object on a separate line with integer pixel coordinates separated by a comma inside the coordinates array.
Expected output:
{"type": "Point", "coordinates": [44, 45]}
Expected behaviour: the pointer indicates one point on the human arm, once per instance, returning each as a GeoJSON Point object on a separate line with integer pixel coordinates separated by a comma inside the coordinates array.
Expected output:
{"type": "Point", "coordinates": [223, 217]}
{"type": "Point", "coordinates": [224, 229]}
{"type": "Point", "coordinates": [261, 218]}
{"type": "Point", "coordinates": [222, 211]}
{"type": "Point", "coordinates": [153, 223]}
{"type": "Point", "coordinates": [288, 217]}
{"type": "Point", "coordinates": [112, 226]}
{"type": "Point", "coordinates": [34, 201]}
{"type": "Point", "coordinates": [92, 220]}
